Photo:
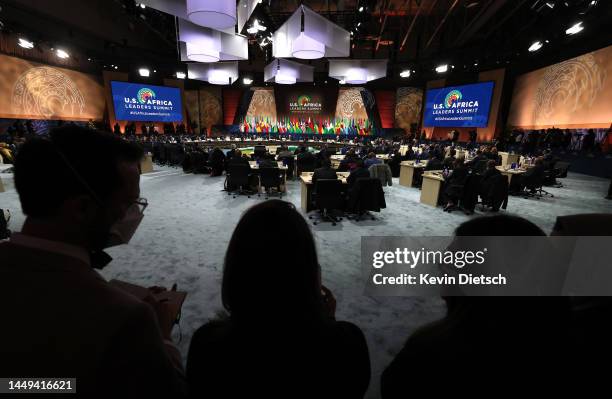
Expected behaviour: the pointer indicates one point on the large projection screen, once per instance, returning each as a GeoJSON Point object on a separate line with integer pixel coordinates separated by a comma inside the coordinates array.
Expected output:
{"type": "Point", "coordinates": [146, 103]}
{"type": "Point", "coordinates": [571, 94]}
{"type": "Point", "coordinates": [458, 106]}
{"type": "Point", "coordinates": [31, 90]}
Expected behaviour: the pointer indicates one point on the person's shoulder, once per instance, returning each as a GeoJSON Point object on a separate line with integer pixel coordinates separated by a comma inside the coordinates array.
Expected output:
{"type": "Point", "coordinates": [346, 328]}
{"type": "Point", "coordinates": [212, 331]}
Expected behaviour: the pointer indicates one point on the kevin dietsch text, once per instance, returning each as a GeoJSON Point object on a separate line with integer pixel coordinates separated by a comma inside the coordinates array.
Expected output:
{"type": "Point", "coordinates": [428, 279]}
{"type": "Point", "coordinates": [412, 259]}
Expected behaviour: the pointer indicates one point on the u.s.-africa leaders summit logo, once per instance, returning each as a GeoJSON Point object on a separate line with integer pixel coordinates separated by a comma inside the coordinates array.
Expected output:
{"type": "Point", "coordinates": [452, 97]}
{"type": "Point", "coordinates": [144, 95]}
{"type": "Point", "coordinates": [455, 103]}
{"type": "Point", "coordinates": [304, 103]}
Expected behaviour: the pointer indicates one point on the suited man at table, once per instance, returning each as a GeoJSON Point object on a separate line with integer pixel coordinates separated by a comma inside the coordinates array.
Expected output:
{"type": "Point", "coordinates": [324, 172]}
{"type": "Point", "coordinates": [358, 172]}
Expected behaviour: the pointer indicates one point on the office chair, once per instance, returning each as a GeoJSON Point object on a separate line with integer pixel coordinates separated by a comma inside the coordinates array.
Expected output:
{"type": "Point", "coordinates": [305, 165]}
{"type": "Point", "coordinates": [561, 169]}
{"type": "Point", "coordinates": [237, 180]}
{"type": "Point", "coordinates": [480, 166]}
{"type": "Point", "coordinates": [533, 185]}
{"type": "Point", "coordinates": [327, 197]}
{"type": "Point", "coordinates": [469, 196]}
{"type": "Point", "coordinates": [558, 171]}
{"type": "Point", "coordinates": [188, 162]}
{"type": "Point", "coordinates": [157, 153]}
{"type": "Point", "coordinates": [259, 151]}
{"type": "Point", "coordinates": [268, 178]}
{"type": "Point", "coordinates": [5, 218]}
{"type": "Point", "coordinates": [455, 193]}
{"type": "Point", "coordinates": [330, 152]}
{"type": "Point", "coordinates": [290, 163]}
{"type": "Point", "coordinates": [382, 172]}
{"type": "Point", "coordinates": [494, 193]}
{"type": "Point", "coordinates": [366, 195]}
{"type": "Point", "coordinates": [343, 167]}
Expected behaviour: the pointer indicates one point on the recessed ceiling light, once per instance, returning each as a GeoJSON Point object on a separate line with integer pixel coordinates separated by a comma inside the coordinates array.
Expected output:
{"type": "Point", "coordinates": [25, 43]}
{"type": "Point", "coordinates": [574, 29]}
{"type": "Point", "coordinates": [442, 68]}
{"type": "Point", "coordinates": [181, 75]}
{"type": "Point", "coordinates": [144, 72]}
{"type": "Point", "coordinates": [247, 81]}
{"type": "Point", "coordinates": [535, 46]}
{"type": "Point", "coordinates": [405, 73]}
{"type": "Point", "coordinates": [61, 53]}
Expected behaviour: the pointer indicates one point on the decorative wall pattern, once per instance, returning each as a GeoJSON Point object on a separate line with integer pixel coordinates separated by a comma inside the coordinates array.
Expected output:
{"type": "Point", "coordinates": [409, 102]}
{"type": "Point", "coordinates": [572, 85]}
{"type": "Point", "coordinates": [30, 90]}
{"type": "Point", "coordinates": [46, 91]}
{"type": "Point", "coordinates": [204, 106]}
{"type": "Point", "coordinates": [263, 104]}
{"type": "Point", "coordinates": [572, 93]}
{"type": "Point", "coordinates": [350, 104]}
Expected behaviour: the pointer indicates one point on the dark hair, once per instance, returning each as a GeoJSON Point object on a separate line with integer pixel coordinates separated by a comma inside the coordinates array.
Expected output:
{"type": "Point", "coordinates": [259, 285]}
{"type": "Point", "coordinates": [45, 168]}
{"type": "Point", "coordinates": [326, 163]}
{"type": "Point", "coordinates": [499, 225]}
{"type": "Point", "coordinates": [491, 164]}
{"type": "Point", "coordinates": [359, 163]}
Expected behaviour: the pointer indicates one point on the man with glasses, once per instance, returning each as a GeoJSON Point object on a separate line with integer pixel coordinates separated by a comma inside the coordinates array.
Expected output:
{"type": "Point", "coordinates": [80, 193]}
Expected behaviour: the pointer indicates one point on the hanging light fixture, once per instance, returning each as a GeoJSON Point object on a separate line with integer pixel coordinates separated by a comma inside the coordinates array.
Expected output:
{"type": "Point", "coordinates": [285, 76]}
{"type": "Point", "coordinates": [305, 47]}
{"type": "Point", "coordinates": [285, 79]}
{"type": "Point", "coordinates": [216, 14]}
{"type": "Point", "coordinates": [218, 77]}
{"type": "Point", "coordinates": [201, 53]}
{"type": "Point", "coordinates": [356, 76]}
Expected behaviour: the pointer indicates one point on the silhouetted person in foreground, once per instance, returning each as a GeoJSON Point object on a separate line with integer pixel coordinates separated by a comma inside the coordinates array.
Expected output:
{"type": "Point", "coordinates": [80, 193]}
{"type": "Point", "coordinates": [484, 344]}
{"type": "Point", "coordinates": [281, 338]}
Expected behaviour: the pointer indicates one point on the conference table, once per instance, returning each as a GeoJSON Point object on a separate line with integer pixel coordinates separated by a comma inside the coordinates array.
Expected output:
{"type": "Point", "coordinates": [255, 165]}
{"type": "Point", "coordinates": [506, 171]}
{"type": "Point", "coordinates": [508, 158]}
{"type": "Point", "coordinates": [146, 164]}
{"type": "Point", "coordinates": [408, 169]}
{"type": "Point", "coordinates": [337, 158]}
{"type": "Point", "coordinates": [281, 166]}
{"type": "Point", "coordinates": [307, 188]}
{"type": "Point", "coordinates": [432, 185]}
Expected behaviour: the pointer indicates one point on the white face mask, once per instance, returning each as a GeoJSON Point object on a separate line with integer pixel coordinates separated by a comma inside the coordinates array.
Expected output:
{"type": "Point", "coordinates": [123, 230]}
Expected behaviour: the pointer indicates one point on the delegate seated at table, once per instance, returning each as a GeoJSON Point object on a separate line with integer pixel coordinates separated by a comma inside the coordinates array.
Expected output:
{"type": "Point", "coordinates": [454, 184]}
{"type": "Point", "coordinates": [324, 172]}
{"type": "Point", "coordinates": [359, 172]}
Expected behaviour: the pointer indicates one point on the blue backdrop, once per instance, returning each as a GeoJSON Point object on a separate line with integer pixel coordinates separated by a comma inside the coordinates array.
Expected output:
{"type": "Point", "coordinates": [458, 106]}
{"type": "Point", "coordinates": [146, 103]}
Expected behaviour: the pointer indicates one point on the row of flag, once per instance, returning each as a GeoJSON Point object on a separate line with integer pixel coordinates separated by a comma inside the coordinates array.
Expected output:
{"type": "Point", "coordinates": [352, 127]}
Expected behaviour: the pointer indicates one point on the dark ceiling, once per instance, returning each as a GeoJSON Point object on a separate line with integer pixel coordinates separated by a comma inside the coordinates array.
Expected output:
{"type": "Point", "coordinates": [412, 34]}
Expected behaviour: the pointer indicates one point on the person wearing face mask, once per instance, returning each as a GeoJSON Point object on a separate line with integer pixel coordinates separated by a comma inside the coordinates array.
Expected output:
{"type": "Point", "coordinates": [80, 193]}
